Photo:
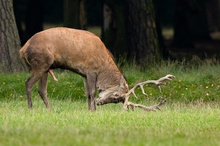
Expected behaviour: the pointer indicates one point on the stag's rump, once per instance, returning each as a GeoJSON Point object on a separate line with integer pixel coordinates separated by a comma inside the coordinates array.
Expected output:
{"type": "Point", "coordinates": [36, 57]}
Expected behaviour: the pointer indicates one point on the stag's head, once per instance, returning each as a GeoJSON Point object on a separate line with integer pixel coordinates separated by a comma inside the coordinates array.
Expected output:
{"type": "Point", "coordinates": [114, 94]}
{"type": "Point", "coordinates": [121, 93]}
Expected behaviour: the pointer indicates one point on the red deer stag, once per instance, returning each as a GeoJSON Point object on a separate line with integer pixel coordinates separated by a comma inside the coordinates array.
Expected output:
{"type": "Point", "coordinates": [81, 52]}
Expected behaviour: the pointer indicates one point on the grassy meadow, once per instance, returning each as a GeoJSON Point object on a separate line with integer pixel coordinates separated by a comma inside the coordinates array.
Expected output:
{"type": "Point", "coordinates": [190, 117]}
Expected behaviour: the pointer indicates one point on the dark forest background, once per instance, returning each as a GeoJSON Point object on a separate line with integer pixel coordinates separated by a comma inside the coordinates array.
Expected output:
{"type": "Point", "coordinates": [189, 27]}
{"type": "Point", "coordinates": [142, 30]}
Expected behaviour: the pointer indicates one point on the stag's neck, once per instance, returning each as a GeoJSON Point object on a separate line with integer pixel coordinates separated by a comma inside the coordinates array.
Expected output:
{"type": "Point", "coordinates": [108, 78]}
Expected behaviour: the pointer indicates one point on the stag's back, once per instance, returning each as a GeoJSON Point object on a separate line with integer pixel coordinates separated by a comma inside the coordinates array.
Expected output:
{"type": "Point", "coordinates": [77, 50]}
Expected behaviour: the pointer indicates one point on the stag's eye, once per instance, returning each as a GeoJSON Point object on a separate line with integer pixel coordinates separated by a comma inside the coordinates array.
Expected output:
{"type": "Point", "coordinates": [116, 94]}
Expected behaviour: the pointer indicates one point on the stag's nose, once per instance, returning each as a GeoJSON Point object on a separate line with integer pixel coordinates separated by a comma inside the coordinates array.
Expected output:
{"type": "Point", "coordinates": [98, 102]}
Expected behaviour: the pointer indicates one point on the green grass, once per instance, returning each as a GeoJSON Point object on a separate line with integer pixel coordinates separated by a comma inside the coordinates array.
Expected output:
{"type": "Point", "coordinates": [69, 123]}
{"type": "Point", "coordinates": [190, 117]}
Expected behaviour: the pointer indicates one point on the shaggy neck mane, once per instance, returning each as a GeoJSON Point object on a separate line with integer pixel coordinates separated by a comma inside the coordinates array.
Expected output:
{"type": "Point", "coordinates": [109, 77]}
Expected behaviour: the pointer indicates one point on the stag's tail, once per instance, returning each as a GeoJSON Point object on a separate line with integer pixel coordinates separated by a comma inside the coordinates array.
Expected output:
{"type": "Point", "coordinates": [23, 53]}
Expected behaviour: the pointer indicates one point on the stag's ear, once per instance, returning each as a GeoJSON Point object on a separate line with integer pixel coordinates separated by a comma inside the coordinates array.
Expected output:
{"type": "Point", "coordinates": [123, 83]}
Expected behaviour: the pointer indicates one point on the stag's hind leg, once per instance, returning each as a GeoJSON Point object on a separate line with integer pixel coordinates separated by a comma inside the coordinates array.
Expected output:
{"type": "Point", "coordinates": [42, 89]}
{"type": "Point", "coordinates": [39, 59]}
{"type": "Point", "coordinates": [35, 76]}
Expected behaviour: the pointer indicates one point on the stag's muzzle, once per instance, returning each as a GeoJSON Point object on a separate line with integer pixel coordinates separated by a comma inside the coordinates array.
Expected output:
{"type": "Point", "coordinates": [102, 101]}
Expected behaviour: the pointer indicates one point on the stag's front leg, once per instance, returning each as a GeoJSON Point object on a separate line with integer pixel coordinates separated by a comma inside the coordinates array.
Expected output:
{"type": "Point", "coordinates": [90, 87]}
{"type": "Point", "coordinates": [42, 89]}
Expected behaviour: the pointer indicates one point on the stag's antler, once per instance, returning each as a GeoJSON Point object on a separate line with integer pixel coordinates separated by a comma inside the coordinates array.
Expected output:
{"type": "Point", "coordinates": [158, 82]}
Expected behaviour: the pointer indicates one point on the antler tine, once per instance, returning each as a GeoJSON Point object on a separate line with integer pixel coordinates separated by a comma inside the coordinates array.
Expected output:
{"type": "Point", "coordinates": [134, 94]}
{"type": "Point", "coordinates": [167, 77]}
{"type": "Point", "coordinates": [142, 89]}
{"type": "Point", "coordinates": [159, 89]}
{"type": "Point", "coordinates": [161, 80]}
{"type": "Point", "coordinates": [132, 90]}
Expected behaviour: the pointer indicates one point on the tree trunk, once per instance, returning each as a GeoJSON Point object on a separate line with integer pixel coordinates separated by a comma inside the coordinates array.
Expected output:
{"type": "Point", "coordinates": [158, 15]}
{"type": "Point", "coordinates": [9, 39]}
{"type": "Point", "coordinates": [18, 19]}
{"type": "Point", "coordinates": [213, 13]}
{"type": "Point", "coordinates": [83, 15]}
{"type": "Point", "coordinates": [71, 13]}
{"type": "Point", "coordinates": [34, 17]}
{"type": "Point", "coordinates": [113, 28]}
{"type": "Point", "coordinates": [141, 31]}
{"type": "Point", "coordinates": [190, 23]}
{"type": "Point", "coordinates": [75, 14]}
